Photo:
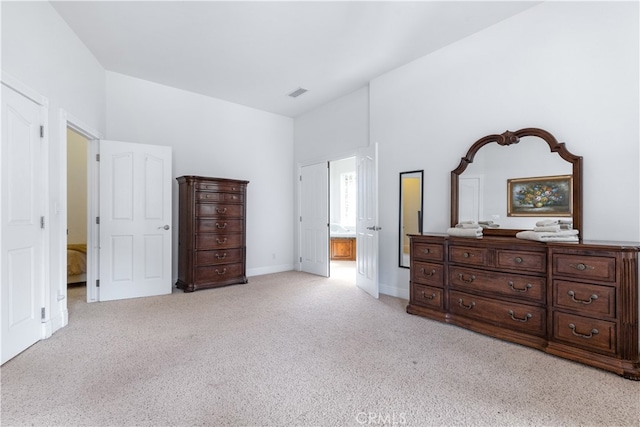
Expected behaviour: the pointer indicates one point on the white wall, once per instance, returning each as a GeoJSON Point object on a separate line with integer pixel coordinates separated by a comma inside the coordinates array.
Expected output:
{"type": "Point", "coordinates": [216, 138]}
{"type": "Point", "coordinates": [41, 51]}
{"type": "Point", "coordinates": [570, 68]}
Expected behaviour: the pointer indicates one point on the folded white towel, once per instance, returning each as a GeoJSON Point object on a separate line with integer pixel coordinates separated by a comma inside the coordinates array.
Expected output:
{"type": "Point", "coordinates": [546, 222]}
{"type": "Point", "coordinates": [547, 228]}
{"type": "Point", "coordinates": [559, 236]}
{"type": "Point", "coordinates": [488, 224]}
{"type": "Point", "coordinates": [467, 225]}
{"type": "Point", "coordinates": [475, 233]}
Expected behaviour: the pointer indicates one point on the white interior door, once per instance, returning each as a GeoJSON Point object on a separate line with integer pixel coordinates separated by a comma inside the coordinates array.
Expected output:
{"type": "Point", "coordinates": [135, 220]}
{"type": "Point", "coordinates": [314, 219]}
{"type": "Point", "coordinates": [470, 206]}
{"type": "Point", "coordinates": [22, 218]}
{"type": "Point", "coordinates": [367, 220]}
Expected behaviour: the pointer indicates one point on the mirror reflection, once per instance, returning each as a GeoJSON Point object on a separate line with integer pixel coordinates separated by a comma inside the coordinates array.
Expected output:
{"type": "Point", "coordinates": [483, 185]}
{"type": "Point", "coordinates": [410, 211]}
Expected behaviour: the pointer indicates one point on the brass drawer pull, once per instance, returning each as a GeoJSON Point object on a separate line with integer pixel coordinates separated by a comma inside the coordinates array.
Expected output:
{"type": "Point", "coordinates": [466, 255]}
{"type": "Point", "coordinates": [224, 270]}
{"type": "Point", "coordinates": [525, 289]}
{"type": "Point", "coordinates": [432, 296]}
{"type": "Point", "coordinates": [461, 277]}
{"type": "Point", "coordinates": [221, 226]}
{"type": "Point", "coordinates": [466, 307]}
{"type": "Point", "coordinates": [517, 319]}
{"type": "Point", "coordinates": [429, 274]}
{"type": "Point", "coordinates": [221, 241]}
{"type": "Point", "coordinates": [594, 331]}
{"type": "Point", "coordinates": [518, 260]}
{"type": "Point", "coordinates": [581, 267]}
{"type": "Point", "coordinates": [224, 255]}
{"type": "Point", "coordinates": [221, 211]}
{"type": "Point", "coordinates": [426, 251]}
{"type": "Point", "coordinates": [591, 299]}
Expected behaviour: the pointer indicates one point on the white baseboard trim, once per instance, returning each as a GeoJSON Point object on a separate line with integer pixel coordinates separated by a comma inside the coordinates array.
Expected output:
{"type": "Point", "coordinates": [269, 270]}
{"type": "Point", "coordinates": [394, 291]}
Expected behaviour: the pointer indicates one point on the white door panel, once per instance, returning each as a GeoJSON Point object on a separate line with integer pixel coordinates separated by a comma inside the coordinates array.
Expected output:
{"type": "Point", "coordinates": [135, 219]}
{"type": "Point", "coordinates": [314, 208]}
{"type": "Point", "coordinates": [367, 228]}
{"type": "Point", "coordinates": [23, 190]}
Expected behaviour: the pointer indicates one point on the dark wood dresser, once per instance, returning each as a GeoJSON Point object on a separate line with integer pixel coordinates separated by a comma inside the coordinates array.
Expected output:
{"type": "Point", "coordinates": [211, 232]}
{"type": "Point", "coordinates": [575, 300]}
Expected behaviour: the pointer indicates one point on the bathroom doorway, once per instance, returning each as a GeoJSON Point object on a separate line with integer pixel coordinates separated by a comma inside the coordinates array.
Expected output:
{"type": "Point", "coordinates": [342, 219]}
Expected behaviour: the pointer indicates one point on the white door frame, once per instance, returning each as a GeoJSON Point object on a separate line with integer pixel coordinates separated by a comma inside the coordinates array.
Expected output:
{"type": "Point", "coordinates": [43, 102]}
{"type": "Point", "coordinates": [66, 120]}
{"type": "Point", "coordinates": [345, 155]}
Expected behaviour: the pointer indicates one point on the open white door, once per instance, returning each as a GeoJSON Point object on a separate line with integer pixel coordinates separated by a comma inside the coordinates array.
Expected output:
{"type": "Point", "coordinates": [314, 219]}
{"type": "Point", "coordinates": [23, 221]}
{"type": "Point", "coordinates": [367, 220]}
{"type": "Point", "coordinates": [135, 220]}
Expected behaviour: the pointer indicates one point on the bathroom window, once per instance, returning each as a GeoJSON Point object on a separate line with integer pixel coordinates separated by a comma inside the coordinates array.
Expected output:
{"type": "Point", "coordinates": [348, 198]}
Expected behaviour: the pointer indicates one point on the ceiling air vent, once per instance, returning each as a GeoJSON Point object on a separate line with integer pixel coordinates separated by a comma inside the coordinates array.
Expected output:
{"type": "Point", "coordinates": [296, 93]}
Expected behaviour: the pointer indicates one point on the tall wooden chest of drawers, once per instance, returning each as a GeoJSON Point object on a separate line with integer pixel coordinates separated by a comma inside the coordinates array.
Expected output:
{"type": "Point", "coordinates": [574, 300]}
{"type": "Point", "coordinates": [211, 232]}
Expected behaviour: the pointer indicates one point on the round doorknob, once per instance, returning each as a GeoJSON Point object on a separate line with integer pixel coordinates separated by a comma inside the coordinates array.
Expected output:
{"type": "Point", "coordinates": [166, 227]}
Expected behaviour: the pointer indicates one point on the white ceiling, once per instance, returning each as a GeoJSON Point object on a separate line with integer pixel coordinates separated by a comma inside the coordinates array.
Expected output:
{"type": "Point", "coordinates": [256, 53]}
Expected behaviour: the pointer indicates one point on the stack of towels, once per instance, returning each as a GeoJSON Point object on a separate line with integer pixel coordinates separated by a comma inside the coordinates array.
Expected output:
{"type": "Point", "coordinates": [466, 229]}
{"type": "Point", "coordinates": [551, 230]}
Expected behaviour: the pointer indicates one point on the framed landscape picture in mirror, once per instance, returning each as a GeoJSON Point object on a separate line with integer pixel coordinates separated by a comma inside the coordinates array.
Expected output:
{"type": "Point", "coordinates": [540, 196]}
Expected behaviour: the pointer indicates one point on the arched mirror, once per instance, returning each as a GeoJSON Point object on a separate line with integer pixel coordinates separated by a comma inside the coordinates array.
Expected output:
{"type": "Point", "coordinates": [508, 182]}
{"type": "Point", "coordinates": [410, 211]}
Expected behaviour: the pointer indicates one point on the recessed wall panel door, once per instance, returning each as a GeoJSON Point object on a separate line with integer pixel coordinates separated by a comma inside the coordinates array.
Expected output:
{"type": "Point", "coordinates": [22, 243]}
{"type": "Point", "coordinates": [135, 220]}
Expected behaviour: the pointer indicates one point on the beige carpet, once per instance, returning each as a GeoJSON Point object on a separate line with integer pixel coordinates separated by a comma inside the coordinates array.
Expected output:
{"type": "Point", "coordinates": [293, 349]}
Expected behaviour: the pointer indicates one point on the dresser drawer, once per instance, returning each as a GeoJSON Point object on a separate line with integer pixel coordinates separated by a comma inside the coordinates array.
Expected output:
{"type": "Point", "coordinates": [427, 252]}
{"type": "Point", "coordinates": [218, 241]}
{"type": "Point", "coordinates": [219, 197]}
{"type": "Point", "coordinates": [599, 268]}
{"type": "Point", "coordinates": [219, 225]}
{"type": "Point", "coordinates": [219, 210]}
{"type": "Point", "coordinates": [592, 334]}
{"type": "Point", "coordinates": [218, 273]}
{"type": "Point", "coordinates": [220, 186]}
{"type": "Point", "coordinates": [513, 285]}
{"type": "Point", "coordinates": [519, 317]}
{"type": "Point", "coordinates": [591, 300]}
{"type": "Point", "coordinates": [521, 260]}
{"type": "Point", "coordinates": [469, 255]}
{"type": "Point", "coordinates": [427, 273]}
{"type": "Point", "coordinates": [427, 296]}
{"type": "Point", "coordinates": [224, 256]}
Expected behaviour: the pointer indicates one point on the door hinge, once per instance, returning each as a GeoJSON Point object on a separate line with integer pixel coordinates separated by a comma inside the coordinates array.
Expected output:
{"type": "Point", "coordinates": [97, 220]}
{"type": "Point", "coordinates": [41, 131]}
{"type": "Point", "coordinates": [98, 157]}
{"type": "Point", "coordinates": [300, 218]}
{"type": "Point", "coordinates": [300, 259]}
{"type": "Point", "coordinates": [43, 313]}
{"type": "Point", "coordinates": [41, 222]}
{"type": "Point", "coordinates": [97, 283]}
{"type": "Point", "coordinates": [300, 178]}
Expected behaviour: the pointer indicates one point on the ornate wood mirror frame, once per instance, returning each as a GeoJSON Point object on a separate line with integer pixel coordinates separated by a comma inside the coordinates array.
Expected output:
{"type": "Point", "coordinates": [506, 139]}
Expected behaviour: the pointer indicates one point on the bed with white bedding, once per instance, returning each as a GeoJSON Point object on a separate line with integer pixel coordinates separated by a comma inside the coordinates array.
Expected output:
{"type": "Point", "coordinates": [76, 263]}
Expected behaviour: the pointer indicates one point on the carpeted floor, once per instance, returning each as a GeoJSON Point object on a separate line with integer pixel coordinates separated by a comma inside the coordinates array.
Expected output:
{"type": "Point", "coordinates": [293, 349]}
